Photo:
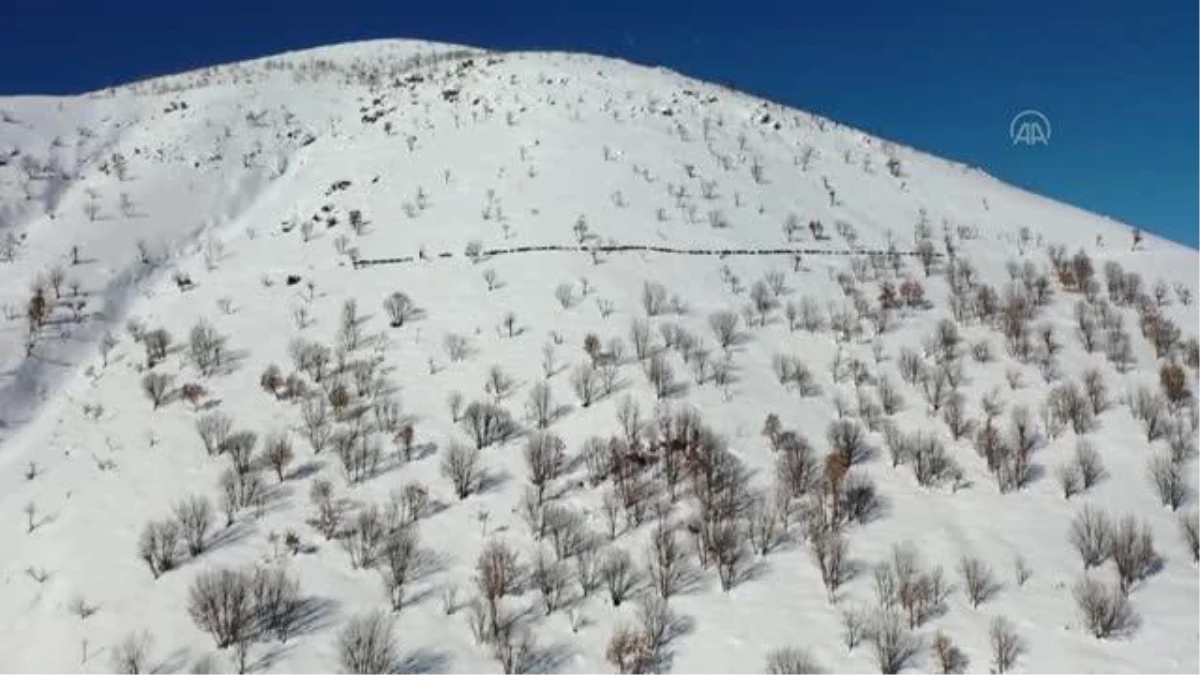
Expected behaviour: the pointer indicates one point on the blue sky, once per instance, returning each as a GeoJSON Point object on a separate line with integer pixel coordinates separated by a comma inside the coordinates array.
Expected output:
{"type": "Point", "coordinates": [1117, 80]}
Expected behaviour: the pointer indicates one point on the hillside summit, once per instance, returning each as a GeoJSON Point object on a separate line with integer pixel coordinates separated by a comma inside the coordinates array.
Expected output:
{"type": "Point", "coordinates": [406, 357]}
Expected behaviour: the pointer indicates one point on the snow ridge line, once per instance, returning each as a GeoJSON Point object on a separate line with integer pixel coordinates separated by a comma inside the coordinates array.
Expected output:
{"type": "Point", "coordinates": [629, 248]}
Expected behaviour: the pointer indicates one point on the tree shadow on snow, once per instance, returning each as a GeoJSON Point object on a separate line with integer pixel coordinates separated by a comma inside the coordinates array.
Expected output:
{"type": "Point", "coordinates": [306, 470]}
{"type": "Point", "coordinates": [422, 661]}
{"type": "Point", "coordinates": [173, 663]}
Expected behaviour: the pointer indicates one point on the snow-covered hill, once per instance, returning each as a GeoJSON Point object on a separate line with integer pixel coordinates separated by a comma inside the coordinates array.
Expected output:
{"type": "Point", "coordinates": [228, 207]}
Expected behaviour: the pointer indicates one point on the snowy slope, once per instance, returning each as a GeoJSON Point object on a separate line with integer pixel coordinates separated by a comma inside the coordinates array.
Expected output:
{"type": "Point", "coordinates": [436, 146]}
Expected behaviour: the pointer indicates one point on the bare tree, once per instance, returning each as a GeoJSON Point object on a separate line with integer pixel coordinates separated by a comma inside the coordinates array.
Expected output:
{"type": "Point", "coordinates": [213, 429]}
{"type": "Point", "coordinates": [550, 577]}
{"type": "Point", "coordinates": [540, 404]}
{"type": "Point", "coordinates": [829, 550]}
{"type": "Point", "coordinates": [328, 518]}
{"type": "Point", "coordinates": [545, 460]}
{"type": "Point", "coordinates": [947, 657]}
{"type": "Point", "coordinates": [893, 644]}
{"type": "Point", "coordinates": [666, 564]}
{"type": "Point", "coordinates": [497, 574]}
{"type": "Point", "coordinates": [156, 386]}
{"type": "Point", "coordinates": [724, 326]}
{"type": "Point", "coordinates": [1169, 481]}
{"type": "Point", "coordinates": [366, 644]}
{"type": "Point", "coordinates": [847, 438]}
{"type": "Point", "coordinates": [791, 661]}
{"type": "Point", "coordinates": [204, 347]}
{"type": "Point", "coordinates": [314, 417]}
{"type": "Point", "coordinates": [462, 466]}
{"type": "Point", "coordinates": [1131, 547]}
{"type": "Point", "coordinates": [618, 574]}
{"type": "Point", "coordinates": [1069, 479]}
{"type": "Point", "coordinates": [363, 537]}
{"type": "Point", "coordinates": [132, 654]}
{"type": "Point", "coordinates": [654, 298]}
{"type": "Point", "coordinates": [194, 516]}
{"type": "Point", "coordinates": [156, 546]}
{"type": "Point", "coordinates": [487, 423]}
{"type": "Point", "coordinates": [399, 557]}
{"type": "Point", "coordinates": [1090, 534]}
{"type": "Point", "coordinates": [1189, 525]}
{"type": "Point", "coordinates": [1091, 467]}
{"type": "Point", "coordinates": [1007, 646]}
{"type": "Point", "coordinates": [1106, 611]}
{"type": "Point", "coordinates": [221, 603]}
{"type": "Point", "coordinates": [629, 651]}
{"type": "Point", "coordinates": [661, 377]}
{"type": "Point", "coordinates": [978, 581]}
{"type": "Point", "coordinates": [277, 451]}
{"type": "Point", "coordinates": [585, 382]}
{"type": "Point", "coordinates": [639, 336]}
{"type": "Point", "coordinates": [400, 308]}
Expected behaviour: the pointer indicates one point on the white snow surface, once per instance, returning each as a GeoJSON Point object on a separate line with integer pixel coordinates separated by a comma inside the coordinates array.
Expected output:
{"type": "Point", "coordinates": [545, 138]}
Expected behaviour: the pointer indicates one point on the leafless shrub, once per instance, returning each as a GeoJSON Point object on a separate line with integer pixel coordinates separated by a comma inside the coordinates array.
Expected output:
{"type": "Point", "coordinates": [947, 657]}
{"type": "Point", "coordinates": [463, 467]}
{"type": "Point", "coordinates": [830, 552]}
{"type": "Point", "coordinates": [654, 298]}
{"type": "Point", "coordinates": [724, 326]}
{"type": "Point", "coordinates": [618, 574]}
{"type": "Point", "coordinates": [1095, 390]}
{"type": "Point", "coordinates": [194, 516]}
{"type": "Point", "coordinates": [847, 438]}
{"type": "Point", "coordinates": [585, 382]}
{"type": "Point", "coordinates": [457, 347]}
{"type": "Point", "coordinates": [399, 556]}
{"type": "Point", "coordinates": [1007, 646]}
{"type": "Point", "coordinates": [328, 518]}
{"type": "Point", "coordinates": [791, 661]}
{"type": "Point", "coordinates": [978, 581]}
{"type": "Point", "coordinates": [893, 644]}
{"type": "Point", "coordinates": [628, 650]}
{"type": "Point", "coordinates": [364, 536]}
{"type": "Point", "coordinates": [639, 336]}
{"type": "Point", "coordinates": [855, 625]}
{"type": "Point", "coordinates": [1106, 611]}
{"type": "Point", "coordinates": [1070, 481]}
{"type": "Point", "coordinates": [1169, 481]}
{"type": "Point", "coordinates": [132, 655]}
{"type": "Point", "coordinates": [156, 546]}
{"type": "Point", "coordinates": [544, 459]}
{"type": "Point", "coordinates": [359, 455]}
{"type": "Point", "coordinates": [156, 387]}
{"type": "Point", "coordinates": [890, 397]}
{"type": "Point", "coordinates": [1150, 408]}
{"type": "Point", "coordinates": [796, 466]}
{"type": "Point", "coordinates": [1090, 534]}
{"type": "Point", "coordinates": [1131, 547]}
{"type": "Point", "coordinates": [497, 574]}
{"type": "Point", "coordinates": [550, 577]}
{"type": "Point", "coordinates": [486, 423]}
{"type": "Point", "coordinates": [315, 420]}
{"type": "Point", "coordinates": [213, 429]}
{"type": "Point", "coordinates": [1068, 404]}
{"type": "Point", "coordinates": [901, 582]}
{"type": "Point", "coordinates": [221, 603]}
{"type": "Point", "coordinates": [1189, 527]}
{"type": "Point", "coordinates": [366, 644]}
{"type": "Point", "coordinates": [400, 308]}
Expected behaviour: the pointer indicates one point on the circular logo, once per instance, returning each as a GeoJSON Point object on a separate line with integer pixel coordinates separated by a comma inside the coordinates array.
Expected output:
{"type": "Point", "coordinates": [1029, 127]}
